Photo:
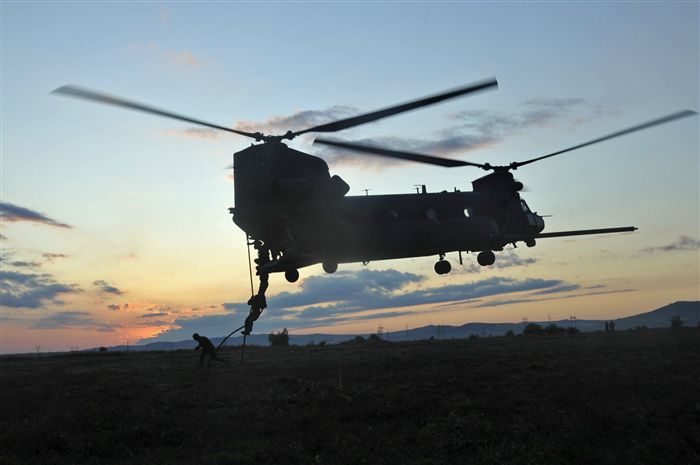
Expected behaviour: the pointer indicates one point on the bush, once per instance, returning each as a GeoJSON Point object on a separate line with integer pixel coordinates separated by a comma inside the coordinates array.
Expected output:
{"type": "Point", "coordinates": [359, 340]}
{"type": "Point", "coordinates": [553, 329]}
{"type": "Point", "coordinates": [572, 330]}
{"type": "Point", "coordinates": [102, 349]}
{"type": "Point", "coordinates": [374, 339]}
{"type": "Point", "coordinates": [533, 329]}
{"type": "Point", "coordinates": [510, 333]}
{"type": "Point", "coordinates": [280, 339]}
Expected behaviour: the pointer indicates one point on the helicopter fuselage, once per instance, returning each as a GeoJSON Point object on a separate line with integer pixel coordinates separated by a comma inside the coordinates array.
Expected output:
{"type": "Point", "coordinates": [287, 200]}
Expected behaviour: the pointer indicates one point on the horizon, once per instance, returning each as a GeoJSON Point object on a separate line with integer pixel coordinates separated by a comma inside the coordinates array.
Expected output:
{"type": "Point", "coordinates": [570, 322]}
{"type": "Point", "coordinates": [114, 224]}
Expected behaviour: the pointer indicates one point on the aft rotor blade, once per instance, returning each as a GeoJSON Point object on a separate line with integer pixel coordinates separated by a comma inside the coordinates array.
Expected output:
{"type": "Point", "coordinates": [79, 92]}
{"type": "Point", "coordinates": [390, 111]}
{"type": "Point", "coordinates": [639, 127]}
{"type": "Point", "coordinates": [430, 159]}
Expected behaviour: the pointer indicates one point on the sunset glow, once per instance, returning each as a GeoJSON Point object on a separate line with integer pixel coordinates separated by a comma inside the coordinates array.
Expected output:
{"type": "Point", "coordinates": [115, 226]}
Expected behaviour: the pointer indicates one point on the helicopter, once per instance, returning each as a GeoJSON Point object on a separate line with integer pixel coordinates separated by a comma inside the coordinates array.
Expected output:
{"type": "Point", "coordinates": [296, 214]}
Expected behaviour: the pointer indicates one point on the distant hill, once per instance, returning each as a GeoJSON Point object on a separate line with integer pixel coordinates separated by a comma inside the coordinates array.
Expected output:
{"type": "Point", "coordinates": [689, 312]}
{"type": "Point", "coordinates": [661, 317]}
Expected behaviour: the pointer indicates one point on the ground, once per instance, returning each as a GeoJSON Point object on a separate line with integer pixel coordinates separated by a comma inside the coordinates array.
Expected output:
{"type": "Point", "coordinates": [628, 397]}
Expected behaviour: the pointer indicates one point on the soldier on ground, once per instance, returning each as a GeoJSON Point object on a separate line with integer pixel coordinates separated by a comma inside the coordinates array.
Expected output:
{"type": "Point", "coordinates": [207, 349]}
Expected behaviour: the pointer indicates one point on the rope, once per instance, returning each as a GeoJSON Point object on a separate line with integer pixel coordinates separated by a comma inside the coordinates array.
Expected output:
{"type": "Point", "coordinates": [250, 267]}
{"type": "Point", "coordinates": [242, 349]}
{"type": "Point", "coordinates": [230, 334]}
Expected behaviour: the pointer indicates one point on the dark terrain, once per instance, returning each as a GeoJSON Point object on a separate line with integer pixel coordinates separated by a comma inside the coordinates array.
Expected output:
{"type": "Point", "coordinates": [598, 398]}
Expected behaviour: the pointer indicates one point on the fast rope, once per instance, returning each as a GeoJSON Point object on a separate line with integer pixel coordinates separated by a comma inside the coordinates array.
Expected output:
{"type": "Point", "coordinates": [224, 340]}
{"type": "Point", "coordinates": [250, 266]}
{"type": "Point", "coordinates": [252, 292]}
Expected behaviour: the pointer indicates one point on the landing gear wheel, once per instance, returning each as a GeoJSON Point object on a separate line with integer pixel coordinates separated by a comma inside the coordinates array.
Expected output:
{"type": "Point", "coordinates": [330, 267]}
{"type": "Point", "coordinates": [486, 258]}
{"type": "Point", "coordinates": [530, 243]}
{"type": "Point", "coordinates": [442, 267]}
{"type": "Point", "coordinates": [291, 275]}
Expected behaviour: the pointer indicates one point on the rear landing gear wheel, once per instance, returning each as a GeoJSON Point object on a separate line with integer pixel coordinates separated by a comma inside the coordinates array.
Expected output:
{"type": "Point", "coordinates": [291, 275]}
{"type": "Point", "coordinates": [442, 267]}
{"type": "Point", "coordinates": [330, 267]}
{"type": "Point", "coordinates": [486, 258]}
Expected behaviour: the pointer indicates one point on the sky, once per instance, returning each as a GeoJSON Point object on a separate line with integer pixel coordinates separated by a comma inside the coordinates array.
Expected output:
{"type": "Point", "coordinates": [115, 226]}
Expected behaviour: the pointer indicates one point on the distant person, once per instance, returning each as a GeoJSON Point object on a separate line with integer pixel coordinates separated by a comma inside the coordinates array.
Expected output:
{"type": "Point", "coordinates": [207, 349]}
{"type": "Point", "coordinates": [607, 327]}
{"type": "Point", "coordinates": [612, 326]}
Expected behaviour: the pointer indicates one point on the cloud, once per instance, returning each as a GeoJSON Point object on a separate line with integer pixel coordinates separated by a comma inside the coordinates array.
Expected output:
{"type": "Point", "coordinates": [233, 307]}
{"type": "Point", "coordinates": [105, 287]}
{"type": "Point", "coordinates": [322, 297]}
{"type": "Point", "coordinates": [6, 260]}
{"type": "Point", "coordinates": [446, 145]}
{"type": "Point", "coordinates": [345, 286]}
{"type": "Point", "coordinates": [185, 58]}
{"type": "Point", "coordinates": [7, 255]}
{"type": "Point", "coordinates": [297, 121]}
{"type": "Point", "coordinates": [558, 289]}
{"type": "Point", "coordinates": [276, 125]}
{"type": "Point", "coordinates": [153, 315]}
{"type": "Point", "coordinates": [535, 112]}
{"type": "Point", "coordinates": [354, 296]}
{"type": "Point", "coordinates": [31, 290]}
{"type": "Point", "coordinates": [194, 133]}
{"type": "Point", "coordinates": [683, 243]}
{"type": "Point", "coordinates": [51, 257]}
{"type": "Point", "coordinates": [72, 319]}
{"type": "Point", "coordinates": [562, 288]}
{"type": "Point", "coordinates": [510, 259]}
{"type": "Point", "coordinates": [14, 214]}
{"type": "Point", "coordinates": [474, 130]}
{"type": "Point", "coordinates": [208, 325]}
{"type": "Point", "coordinates": [506, 259]}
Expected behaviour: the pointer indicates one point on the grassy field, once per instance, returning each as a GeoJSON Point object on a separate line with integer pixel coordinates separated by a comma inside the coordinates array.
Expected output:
{"type": "Point", "coordinates": [622, 398]}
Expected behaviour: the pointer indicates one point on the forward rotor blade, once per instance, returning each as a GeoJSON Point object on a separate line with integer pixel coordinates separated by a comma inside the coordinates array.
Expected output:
{"type": "Point", "coordinates": [390, 111]}
{"type": "Point", "coordinates": [79, 92]}
{"type": "Point", "coordinates": [430, 159]}
{"type": "Point", "coordinates": [665, 119]}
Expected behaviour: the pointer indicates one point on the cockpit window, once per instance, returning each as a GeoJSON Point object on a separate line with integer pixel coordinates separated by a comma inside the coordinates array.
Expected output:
{"type": "Point", "coordinates": [524, 205]}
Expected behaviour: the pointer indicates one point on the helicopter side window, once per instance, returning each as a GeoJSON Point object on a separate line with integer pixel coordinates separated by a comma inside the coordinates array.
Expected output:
{"type": "Point", "coordinates": [524, 205]}
{"type": "Point", "coordinates": [467, 212]}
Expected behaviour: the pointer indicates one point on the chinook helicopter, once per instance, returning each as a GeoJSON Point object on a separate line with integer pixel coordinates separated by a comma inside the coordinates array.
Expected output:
{"type": "Point", "coordinates": [296, 214]}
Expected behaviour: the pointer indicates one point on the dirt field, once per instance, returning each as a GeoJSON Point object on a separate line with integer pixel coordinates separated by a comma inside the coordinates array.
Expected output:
{"type": "Point", "coordinates": [631, 397]}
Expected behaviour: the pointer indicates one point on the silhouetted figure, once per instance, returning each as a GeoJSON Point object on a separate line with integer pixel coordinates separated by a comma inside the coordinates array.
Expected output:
{"type": "Point", "coordinates": [207, 349]}
{"type": "Point", "coordinates": [612, 326]}
{"type": "Point", "coordinates": [257, 303]}
{"type": "Point", "coordinates": [607, 327]}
